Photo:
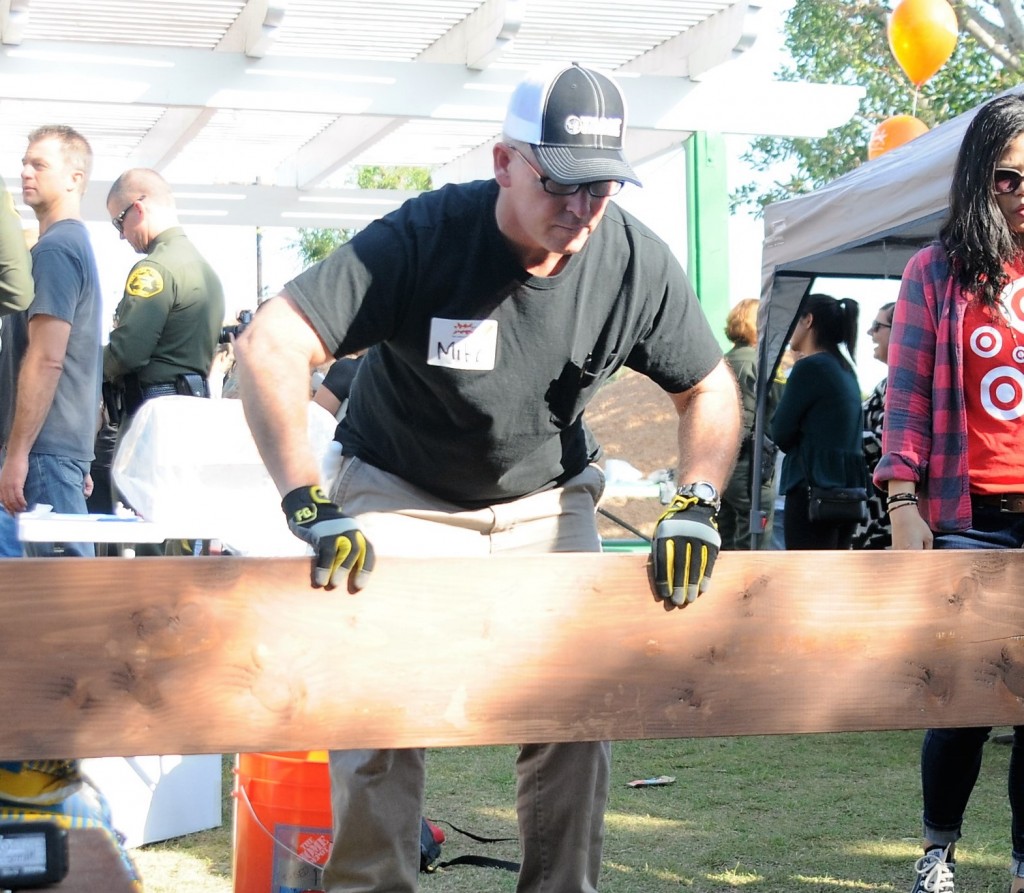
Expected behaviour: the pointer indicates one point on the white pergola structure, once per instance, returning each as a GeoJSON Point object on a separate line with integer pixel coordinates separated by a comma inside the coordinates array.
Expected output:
{"type": "Point", "coordinates": [257, 111]}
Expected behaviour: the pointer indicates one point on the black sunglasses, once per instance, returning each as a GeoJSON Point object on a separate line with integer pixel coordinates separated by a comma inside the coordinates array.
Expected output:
{"type": "Point", "coordinates": [118, 221]}
{"type": "Point", "coordinates": [598, 189]}
{"type": "Point", "coordinates": [876, 325]}
{"type": "Point", "coordinates": [1006, 181]}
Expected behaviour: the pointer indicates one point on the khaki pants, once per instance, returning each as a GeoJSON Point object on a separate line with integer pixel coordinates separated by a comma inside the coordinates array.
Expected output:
{"type": "Point", "coordinates": [562, 789]}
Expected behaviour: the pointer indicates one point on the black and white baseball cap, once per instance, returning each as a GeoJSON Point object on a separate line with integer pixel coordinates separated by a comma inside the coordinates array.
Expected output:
{"type": "Point", "coordinates": [574, 118]}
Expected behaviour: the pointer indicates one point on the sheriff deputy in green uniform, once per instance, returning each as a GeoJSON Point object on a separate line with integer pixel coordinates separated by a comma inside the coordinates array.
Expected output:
{"type": "Point", "coordinates": [168, 323]}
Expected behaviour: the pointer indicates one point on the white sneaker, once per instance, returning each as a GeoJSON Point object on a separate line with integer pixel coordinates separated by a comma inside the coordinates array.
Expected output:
{"type": "Point", "coordinates": [934, 872]}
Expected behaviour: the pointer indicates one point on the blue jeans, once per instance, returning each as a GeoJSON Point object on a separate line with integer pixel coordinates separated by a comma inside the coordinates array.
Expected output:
{"type": "Point", "coordinates": [57, 481]}
{"type": "Point", "coordinates": [10, 547]}
{"type": "Point", "coordinates": [951, 758]}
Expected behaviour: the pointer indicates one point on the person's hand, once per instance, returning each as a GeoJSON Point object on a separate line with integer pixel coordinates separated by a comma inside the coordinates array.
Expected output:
{"type": "Point", "coordinates": [339, 546]}
{"type": "Point", "coordinates": [909, 529]}
{"type": "Point", "coordinates": [13, 475]}
{"type": "Point", "coordinates": [683, 551]}
{"type": "Point", "coordinates": [87, 485]}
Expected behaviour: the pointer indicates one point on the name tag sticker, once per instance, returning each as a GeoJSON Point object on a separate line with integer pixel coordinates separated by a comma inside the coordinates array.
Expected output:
{"type": "Point", "coordinates": [463, 343]}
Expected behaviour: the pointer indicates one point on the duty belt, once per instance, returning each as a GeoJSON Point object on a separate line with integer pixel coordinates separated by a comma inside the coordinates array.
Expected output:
{"type": "Point", "coordinates": [133, 394]}
{"type": "Point", "coordinates": [159, 390]}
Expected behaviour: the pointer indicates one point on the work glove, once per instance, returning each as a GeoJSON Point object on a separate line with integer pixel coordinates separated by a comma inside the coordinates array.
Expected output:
{"type": "Point", "coordinates": [339, 546]}
{"type": "Point", "coordinates": [683, 551]}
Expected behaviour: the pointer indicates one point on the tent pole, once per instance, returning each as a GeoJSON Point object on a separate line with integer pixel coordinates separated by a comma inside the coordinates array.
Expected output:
{"type": "Point", "coordinates": [707, 226]}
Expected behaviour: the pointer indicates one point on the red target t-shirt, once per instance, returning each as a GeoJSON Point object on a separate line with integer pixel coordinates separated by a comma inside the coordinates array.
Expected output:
{"type": "Point", "coordinates": [994, 390]}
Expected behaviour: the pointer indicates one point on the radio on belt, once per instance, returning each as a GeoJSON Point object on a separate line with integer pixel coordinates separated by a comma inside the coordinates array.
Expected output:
{"type": "Point", "coordinates": [32, 854]}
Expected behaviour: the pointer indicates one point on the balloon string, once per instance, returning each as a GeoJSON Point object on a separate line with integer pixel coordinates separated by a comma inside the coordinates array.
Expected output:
{"type": "Point", "coordinates": [914, 106]}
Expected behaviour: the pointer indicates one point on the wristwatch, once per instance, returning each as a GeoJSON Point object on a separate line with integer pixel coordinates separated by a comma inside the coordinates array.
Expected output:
{"type": "Point", "coordinates": [704, 492]}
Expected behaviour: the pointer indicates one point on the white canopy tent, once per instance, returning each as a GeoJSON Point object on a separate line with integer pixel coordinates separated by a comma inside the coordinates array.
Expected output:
{"type": "Point", "coordinates": [866, 224]}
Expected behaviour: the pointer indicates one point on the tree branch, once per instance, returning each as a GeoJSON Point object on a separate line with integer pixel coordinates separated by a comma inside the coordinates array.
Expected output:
{"type": "Point", "coordinates": [1014, 25]}
{"type": "Point", "coordinates": [992, 37]}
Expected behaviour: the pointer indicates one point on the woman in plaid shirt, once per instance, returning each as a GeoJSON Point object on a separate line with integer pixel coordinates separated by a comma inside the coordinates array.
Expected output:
{"type": "Point", "coordinates": [952, 429]}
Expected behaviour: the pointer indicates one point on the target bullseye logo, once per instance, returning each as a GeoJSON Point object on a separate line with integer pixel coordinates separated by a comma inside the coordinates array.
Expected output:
{"type": "Point", "coordinates": [1013, 301]}
{"type": "Point", "coordinates": [1002, 393]}
{"type": "Point", "coordinates": [986, 341]}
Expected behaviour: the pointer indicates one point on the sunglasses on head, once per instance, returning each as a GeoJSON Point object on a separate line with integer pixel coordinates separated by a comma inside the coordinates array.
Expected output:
{"type": "Point", "coordinates": [1006, 181]}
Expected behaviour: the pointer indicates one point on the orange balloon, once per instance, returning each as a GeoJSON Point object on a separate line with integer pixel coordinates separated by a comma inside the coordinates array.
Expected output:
{"type": "Point", "coordinates": [922, 36]}
{"type": "Point", "coordinates": [893, 132]}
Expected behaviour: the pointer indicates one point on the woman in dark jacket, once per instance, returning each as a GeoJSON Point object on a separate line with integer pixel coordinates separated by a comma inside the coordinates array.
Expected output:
{"type": "Point", "coordinates": [818, 423]}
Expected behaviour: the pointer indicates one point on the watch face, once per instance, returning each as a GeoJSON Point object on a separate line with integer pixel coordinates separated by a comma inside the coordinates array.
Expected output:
{"type": "Point", "coordinates": [704, 490]}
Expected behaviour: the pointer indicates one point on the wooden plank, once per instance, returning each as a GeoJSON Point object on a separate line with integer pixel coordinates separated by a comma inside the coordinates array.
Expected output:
{"type": "Point", "coordinates": [192, 655]}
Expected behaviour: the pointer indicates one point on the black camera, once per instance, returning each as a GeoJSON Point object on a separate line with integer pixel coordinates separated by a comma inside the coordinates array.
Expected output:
{"type": "Point", "coordinates": [32, 854]}
{"type": "Point", "coordinates": [229, 332]}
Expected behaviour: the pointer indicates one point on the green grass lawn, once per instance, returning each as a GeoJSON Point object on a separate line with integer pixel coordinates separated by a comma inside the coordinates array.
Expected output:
{"type": "Point", "coordinates": [787, 814]}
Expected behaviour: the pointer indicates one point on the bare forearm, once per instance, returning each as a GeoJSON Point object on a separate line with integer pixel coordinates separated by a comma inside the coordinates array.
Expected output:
{"type": "Point", "coordinates": [327, 400]}
{"type": "Point", "coordinates": [37, 384]}
{"type": "Point", "coordinates": [275, 354]}
{"type": "Point", "coordinates": [709, 428]}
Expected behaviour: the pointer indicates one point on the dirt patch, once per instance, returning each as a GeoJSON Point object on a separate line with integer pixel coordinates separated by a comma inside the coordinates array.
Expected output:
{"type": "Point", "coordinates": [635, 421]}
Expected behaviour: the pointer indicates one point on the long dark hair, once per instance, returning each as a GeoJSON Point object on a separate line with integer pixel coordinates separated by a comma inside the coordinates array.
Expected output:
{"type": "Point", "coordinates": [976, 236]}
{"type": "Point", "coordinates": [834, 323]}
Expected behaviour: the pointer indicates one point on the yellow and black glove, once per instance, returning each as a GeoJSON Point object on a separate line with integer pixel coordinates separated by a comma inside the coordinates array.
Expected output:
{"type": "Point", "coordinates": [683, 550]}
{"type": "Point", "coordinates": [339, 546]}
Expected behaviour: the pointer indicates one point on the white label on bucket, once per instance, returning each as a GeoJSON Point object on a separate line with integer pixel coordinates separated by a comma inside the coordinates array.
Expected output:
{"type": "Point", "coordinates": [298, 857]}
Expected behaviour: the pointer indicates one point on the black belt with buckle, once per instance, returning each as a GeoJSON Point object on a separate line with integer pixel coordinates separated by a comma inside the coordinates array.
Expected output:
{"type": "Point", "coordinates": [158, 390]}
{"type": "Point", "coordinates": [188, 384]}
{"type": "Point", "coordinates": [1013, 503]}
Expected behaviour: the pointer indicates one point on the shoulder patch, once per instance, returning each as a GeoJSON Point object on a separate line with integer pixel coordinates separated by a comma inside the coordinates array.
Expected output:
{"type": "Point", "coordinates": [144, 282]}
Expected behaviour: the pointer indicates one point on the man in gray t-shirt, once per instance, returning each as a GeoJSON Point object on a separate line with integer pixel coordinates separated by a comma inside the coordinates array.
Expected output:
{"type": "Point", "coordinates": [50, 377]}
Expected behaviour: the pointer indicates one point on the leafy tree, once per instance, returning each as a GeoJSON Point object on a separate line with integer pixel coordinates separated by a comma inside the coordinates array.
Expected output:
{"type": "Point", "coordinates": [846, 42]}
{"type": "Point", "coordinates": [376, 177]}
{"type": "Point", "coordinates": [314, 244]}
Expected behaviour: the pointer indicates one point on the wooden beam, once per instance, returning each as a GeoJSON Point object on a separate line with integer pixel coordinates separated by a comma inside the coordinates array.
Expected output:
{"type": "Point", "coordinates": [192, 655]}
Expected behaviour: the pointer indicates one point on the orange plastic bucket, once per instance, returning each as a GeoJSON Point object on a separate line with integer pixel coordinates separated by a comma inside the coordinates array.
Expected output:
{"type": "Point", "coordinates": [282, 821]}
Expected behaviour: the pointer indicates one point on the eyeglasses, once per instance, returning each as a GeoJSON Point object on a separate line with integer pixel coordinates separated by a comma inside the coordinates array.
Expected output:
{"type": "Point", "coordinates": [876, 325]}
{"type": "Point", "coordinates": [118, 221]}
{"type": "Point", "coordinates": [598, 189]}
{"type": "Point", "coordinates": [1006, 181]}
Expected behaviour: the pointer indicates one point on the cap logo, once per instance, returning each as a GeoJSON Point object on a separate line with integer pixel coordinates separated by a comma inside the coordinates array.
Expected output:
{"type": "Point", "coordinates": [593, 126]}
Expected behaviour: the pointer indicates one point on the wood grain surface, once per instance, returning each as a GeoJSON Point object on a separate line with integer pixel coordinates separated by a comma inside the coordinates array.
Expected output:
{"type": "Point", "coordinates": [109, 656]}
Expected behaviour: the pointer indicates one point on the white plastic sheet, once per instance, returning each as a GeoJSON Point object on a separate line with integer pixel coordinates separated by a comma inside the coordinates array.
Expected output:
{"type": "Point", "coordinates": [193, 465]}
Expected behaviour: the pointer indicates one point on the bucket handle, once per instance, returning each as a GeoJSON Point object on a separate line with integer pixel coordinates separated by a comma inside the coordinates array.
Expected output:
{"type": "Point", "coordinates": [244, 797]}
